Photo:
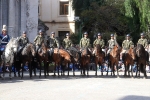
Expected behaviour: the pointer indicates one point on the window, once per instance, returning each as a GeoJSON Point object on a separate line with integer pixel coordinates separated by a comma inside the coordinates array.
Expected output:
{"type": "Point", "coordinates": [64, 8]}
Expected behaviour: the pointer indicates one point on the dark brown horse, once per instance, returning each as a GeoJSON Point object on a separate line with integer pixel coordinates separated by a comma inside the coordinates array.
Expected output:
{"type": "Point", "coordinates": [42, 57]}
{"type": "Point", "coordinates": [99, 57]}
{"type": "Point", "coordinates": [129, 59]}
{"type": "Point", "coordinates": [114, 58]}
{"type": "Point", "coordinates": [61, 57]}
{"type": "Point", "coordinates": [26, 56]}
{"type": "Point", "coordinates": [141, 60]}
{"type": "Point", "coordinates": [85, 60]}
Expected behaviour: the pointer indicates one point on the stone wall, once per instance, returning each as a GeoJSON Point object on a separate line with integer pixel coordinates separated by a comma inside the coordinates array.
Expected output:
{"type": "Point", "coordinates": [19, 15]}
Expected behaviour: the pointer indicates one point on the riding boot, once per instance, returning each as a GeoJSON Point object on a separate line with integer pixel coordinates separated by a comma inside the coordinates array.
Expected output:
{"type": "Point", "coordinates": [123, 57]}
{"type": "Point", "coordinates": [107, 58]}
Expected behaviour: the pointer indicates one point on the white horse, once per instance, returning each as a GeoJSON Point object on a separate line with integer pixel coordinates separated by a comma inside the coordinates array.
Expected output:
{"type": "Point", "coordinates": [9, 54]}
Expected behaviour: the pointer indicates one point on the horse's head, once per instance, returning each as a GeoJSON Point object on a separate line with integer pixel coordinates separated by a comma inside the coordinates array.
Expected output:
{"type": "Point", "coordinates": [97, 49]}
{"type": "Point", "coordinates": [132, 52]}
{"type": "Point", "coordinates": [33, 50]}
{"type": "Point", "coordinates": [13, 45]}
{"type": "Point", "coordinates": [115, 51]}
{"type": "Point", "coordinates": [43, 49]}
{"type": "Point", "coordinates": [140, 50]}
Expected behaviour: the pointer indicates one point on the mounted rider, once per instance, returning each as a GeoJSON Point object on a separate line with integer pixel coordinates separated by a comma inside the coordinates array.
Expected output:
{"type": "Point", "coordinates": [126, 44]}
{"type": "Point", "coordinates": [67, 43]}
{"type": "Point", "coordinates": [23, 41]}
{"type": "Point", "coordinates": [39, 39]}
{"type": "Point", "coordinates": [53, 43]}
{"type": "Point", "coordinates": [85, 43]}
{"type": "Point", "coordinates": [143, 41]}
{"type": "Point", "coordinates": [4, 38]}
{"type": "Point", "coordinates": [111, 43]}
{"type": "Point", "coordinates": [99, 41]}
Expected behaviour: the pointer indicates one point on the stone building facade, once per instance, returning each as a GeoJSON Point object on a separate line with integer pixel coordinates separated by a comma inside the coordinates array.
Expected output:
{"type": "Point", "coordinates": [58, 15]}
{"type": "Point", "coordinates": [19, 15]}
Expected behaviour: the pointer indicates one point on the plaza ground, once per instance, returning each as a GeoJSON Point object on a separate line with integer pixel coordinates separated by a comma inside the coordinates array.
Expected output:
{"type": "Point", "coordinates": [75, 88]}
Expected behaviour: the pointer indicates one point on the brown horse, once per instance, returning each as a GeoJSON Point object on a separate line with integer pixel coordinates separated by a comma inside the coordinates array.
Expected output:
{"type": "Point", "coordinates": [26, 56]}
{"type": "Point", "coordinates": [61, 57]}
{"type": "Point", "coordinates": [99, 57]}
{"type": "Point", "coordinates": [85, 60]}
{"type": "Point", "coordinates": [42, 56]}
{"type": "Point", "coordinates": [129, 59]}
{"type": "Point", "coordinates": [141, 60]}
{"type": "Point", "coordinates": [113, 59]}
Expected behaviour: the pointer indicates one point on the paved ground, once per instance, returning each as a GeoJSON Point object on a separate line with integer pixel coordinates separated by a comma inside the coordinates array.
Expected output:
{"type": "Point", "coordinates": [75, 88]}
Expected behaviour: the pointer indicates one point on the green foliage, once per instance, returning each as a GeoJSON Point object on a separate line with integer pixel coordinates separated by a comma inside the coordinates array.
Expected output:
{"type": "Point", "coordinates": [74, 38]}
{"type": "Point", "coordinates": [138, 13]}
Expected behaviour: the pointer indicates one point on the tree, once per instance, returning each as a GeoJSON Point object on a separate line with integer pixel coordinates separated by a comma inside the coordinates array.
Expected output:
{"type": "Point", "coordinates": [138, 13]}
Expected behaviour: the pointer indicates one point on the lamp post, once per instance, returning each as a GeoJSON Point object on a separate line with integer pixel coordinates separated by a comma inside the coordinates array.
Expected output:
{"type": "Point", "coordinates": [77, 19]}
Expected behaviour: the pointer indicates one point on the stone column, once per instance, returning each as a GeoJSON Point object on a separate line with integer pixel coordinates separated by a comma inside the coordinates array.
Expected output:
{"type": "Point", "coordinates": [5, 12]}
{"type": "Point", "coordinates": [11, 26]}
{"type": "Point", "coordinates": [23, 15]}
{"type": "Point", "coordinates": [0, 15]}
{"type": "Point", "coordinates": [32, 19]}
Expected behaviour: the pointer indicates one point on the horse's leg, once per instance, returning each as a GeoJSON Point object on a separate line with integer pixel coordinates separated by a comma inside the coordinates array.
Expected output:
{"type": "Point", "coordinates": [40, 63]}
{"type": "Point", "coordinates": [81, 68]}
{"type": "Point", "coordinates": [68, 67]}
{"type": "Point", "coordinates": [10, 68]}
{"type": "Point", "coordinates": [137, 70]}
{"type": "Point", "coordinates": [30, 69]}
{"type": "Point", "coordinates": [58, 69]}
{"type": "Point", "coordinates": [117, 70]}
{"type": "Point", "coordinates": [132, 70]}
{"type": "Point", "coordinates": [47, 68]}
{"type": "Point", "coordinates": [22, 69]}
{"type": "Point", "coordinates": [128, 70]}
{"type": "Point", "coordinates": [14, 65]}
{"type": "Point", "coordinates": [73, 69]}
{"type": "Point", "coordinates": [96, 69]}
{"type": "Point", "coordinates": [55, 69]}
{"type": "Point", "coordinates": [108, 68]}
{"type": "Point", "coordinates": [87, 69]}
{"type": "Point", "coordinates": [102, 68]}
{"type": "Point", "coordinates": [144, 69]}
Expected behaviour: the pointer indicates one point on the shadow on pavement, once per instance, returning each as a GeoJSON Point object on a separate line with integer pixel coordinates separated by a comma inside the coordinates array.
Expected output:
{"type": "Point", "coordinates": [134, 97]}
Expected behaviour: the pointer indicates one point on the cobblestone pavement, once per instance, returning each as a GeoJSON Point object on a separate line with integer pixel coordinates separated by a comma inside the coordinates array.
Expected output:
{"type": "Point", "coordinates": [75, 88]}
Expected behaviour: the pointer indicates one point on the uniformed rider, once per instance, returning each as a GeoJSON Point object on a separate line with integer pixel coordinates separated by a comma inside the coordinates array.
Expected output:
{"type": "Point", "coordinates": [99, 41]}
{"type": "Point", "coordinates": [67, 43]}
{"type": "Point", "coordinates": [126, 44]}
{"type": "Point", "coordinates": [111, 43]}
{"type": "Point", "coordinates": [23, 41]}
{"type": "Point", "coordinates": [39, 39]}
{"type": "Point", "coordinates": [53, 43]}
{"type": "Point", "coordinates": [84, 42]}
{"type": "Point", "coordinates": [144, 42]}
{"type": "Point", "coordinates": [4, 38]}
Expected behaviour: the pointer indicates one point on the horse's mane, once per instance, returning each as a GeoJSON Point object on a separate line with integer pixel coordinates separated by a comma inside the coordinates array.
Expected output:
{"type": "Point", "coordinates": [10, 42]}
{"type": "Point", "coordinates": [24, 51]}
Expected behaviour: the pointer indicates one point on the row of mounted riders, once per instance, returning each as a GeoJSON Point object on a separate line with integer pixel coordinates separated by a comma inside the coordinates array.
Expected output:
{"type": "Point", "coordinates": [63, 58]}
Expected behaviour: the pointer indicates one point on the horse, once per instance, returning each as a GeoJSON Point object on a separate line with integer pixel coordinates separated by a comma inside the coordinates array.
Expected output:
{"type": "Point", "coordinates": [8, 55]}
{"type": "Point", "coordinates": [42, 56]}
{"type": "Point", "coordinates": [74, 53]}
{"type": "Point", "coordinates": [61, 57]}
{"type": "Point", "coordinates": [113, 59]}
{"type": "Point", "coordinates": [85, 60]}
{"type": "Point", "coordinates": [129, 58]}
{"type": "Point", "coordinates": [141, 60]}
{"type": "Point", "coordinates": [26, 56]}
{"type": "Point", "coordinates": [99, 57]}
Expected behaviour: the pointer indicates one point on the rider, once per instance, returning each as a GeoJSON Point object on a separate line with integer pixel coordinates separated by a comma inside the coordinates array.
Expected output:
{"type": "Point", "coordinates": [144, 42]}
{"type": "Point", "coordinates": [85, 43]}
{"type": "Point", "coordinates": [111, 43]}
{"type": "Point", "coordinates": [23, 40]}
{"type": "Point", "coordinates": [99, 41]}
{"type": "Point", "coordinates": [4, 38]}
{"type": "Point", "coordinates": [126, 44]}
{"type": "Point", "coordinates": [67, 42]}
{"type": "Point", "coordinates": [53, 43]}
{"type": "Point", "coordinates": [39, 39]}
